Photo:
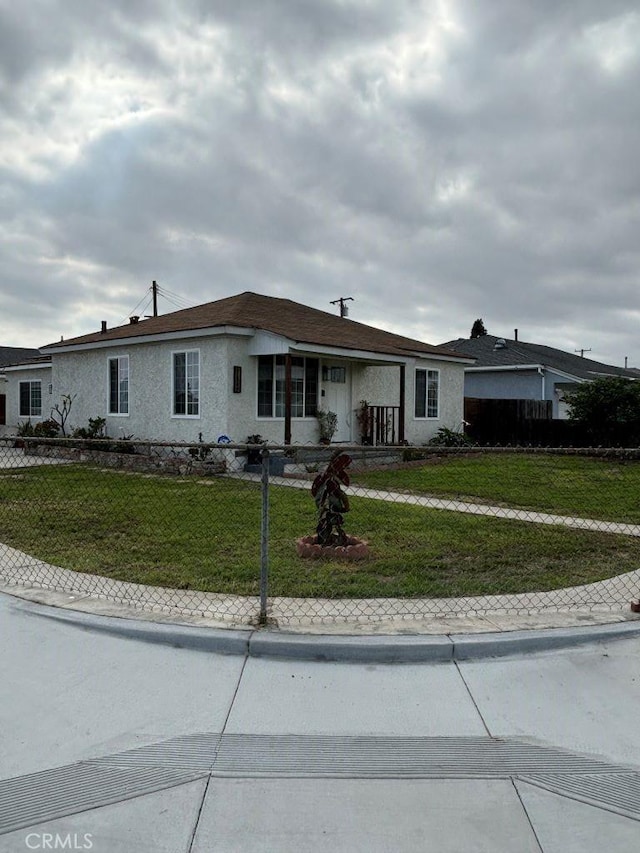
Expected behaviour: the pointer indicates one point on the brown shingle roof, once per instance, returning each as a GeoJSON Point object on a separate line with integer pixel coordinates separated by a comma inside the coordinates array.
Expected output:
{"type": "Point", "coordinates": [281, 316]}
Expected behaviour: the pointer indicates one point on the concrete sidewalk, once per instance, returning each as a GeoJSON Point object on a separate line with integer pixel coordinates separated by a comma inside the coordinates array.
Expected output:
{"type": "Point", "coordinates": [438, 640]}
{"type": "Point", "coordinates": [601, 602]}
{"type": "Point", "coordinates": [455, 505]}
{"type": "Point", "coordinates": [128, 745]}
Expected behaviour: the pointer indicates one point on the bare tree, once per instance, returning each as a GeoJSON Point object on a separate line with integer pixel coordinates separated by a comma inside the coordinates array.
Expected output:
{"type": "Point", "coordinates": [61, 411]}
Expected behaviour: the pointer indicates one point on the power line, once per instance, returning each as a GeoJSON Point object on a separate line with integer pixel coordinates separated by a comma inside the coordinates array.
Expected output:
{"type": "Point", "coordinates": [175, 298]}
{"type": "Point", "coordinates": [143, 302]}
{"type": "Point", "coordinates": [150, 297]}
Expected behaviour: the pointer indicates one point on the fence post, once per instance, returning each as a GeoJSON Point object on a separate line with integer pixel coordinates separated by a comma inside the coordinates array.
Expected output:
{"type": "Point", "coordinates": [264, 539]}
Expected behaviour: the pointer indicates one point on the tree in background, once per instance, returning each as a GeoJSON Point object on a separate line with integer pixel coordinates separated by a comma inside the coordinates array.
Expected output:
{"type": "Point", "coordinates": [478, 329]}
{"type": "Point", "coordinates": [608, 409]}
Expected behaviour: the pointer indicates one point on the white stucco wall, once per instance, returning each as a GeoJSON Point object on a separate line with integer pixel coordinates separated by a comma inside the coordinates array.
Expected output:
{"type": "Point", "coordinates": [243, 409]}
{"type": "Point", "coordinates": [85, 375]}
{"type": "Point", "coordinates": [12, 390]}
{"type": "Point", "coordinates": [451, 407]}
{"type": "Point", "coordinates": [243, 418]}
{"type": "Point", "coordinates": [380, 386]}
{"type": "Point", "coordinates": [222, 411]}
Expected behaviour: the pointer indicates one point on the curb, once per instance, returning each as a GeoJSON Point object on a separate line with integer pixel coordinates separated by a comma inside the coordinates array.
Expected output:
{"type": "Point", "coordinates": [473, 646]}
{"type": "Point", "coordinates": [403, 648]}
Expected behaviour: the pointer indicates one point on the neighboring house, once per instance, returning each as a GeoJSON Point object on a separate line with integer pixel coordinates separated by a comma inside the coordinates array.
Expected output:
{"type": "Point", "coordinates": [511, 369]}
{"type": "Point", "coordinates": [8, 356]}
{"type": "Point", "coordinates": [242, 366]}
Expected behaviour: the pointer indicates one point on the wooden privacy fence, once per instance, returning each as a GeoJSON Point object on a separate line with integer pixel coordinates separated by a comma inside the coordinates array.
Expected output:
{"type": "Point", "coordinates": [508, 421]}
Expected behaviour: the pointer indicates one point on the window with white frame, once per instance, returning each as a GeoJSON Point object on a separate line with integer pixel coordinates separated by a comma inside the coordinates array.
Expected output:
{"type": "Point", "coordinates": [427, 393]}
{"type": "Point", "coordinates": [119, 385]}
{"type": "Point", "coordinates": [186, 383]}
{"type": "Point", "coordinates": [31, 399]}
{"type": "Point", "coordinates": [272, 386]}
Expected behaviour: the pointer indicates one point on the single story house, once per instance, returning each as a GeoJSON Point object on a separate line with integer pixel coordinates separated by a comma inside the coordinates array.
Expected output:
{"type": "Point", "coordinates": [510, 369]}
{"type": "Point", "coordinates": [241, 366]}
{"type": "Point", "coordinates": [10, 355]}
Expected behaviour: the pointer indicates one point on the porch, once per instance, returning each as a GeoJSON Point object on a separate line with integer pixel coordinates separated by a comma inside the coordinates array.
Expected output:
{"type": "Point", "coordinates": [381, 426]}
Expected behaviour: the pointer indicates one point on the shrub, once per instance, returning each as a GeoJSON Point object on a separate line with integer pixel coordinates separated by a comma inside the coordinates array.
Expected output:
{"type": "Point", "coordinates": [446, 437]}
{"type": "Point", "coordinates": [47, 429]}
{"type": "Point", "coordinates": [95, 429]}
{"type": "Point", "coordinates": [608, 409]}
{"type": "Point", "coordinates": [328, 423]}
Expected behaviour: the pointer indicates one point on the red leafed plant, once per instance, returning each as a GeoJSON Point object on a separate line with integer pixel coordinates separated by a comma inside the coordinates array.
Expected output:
{"type": "Point", "coordinates": [331, 500]}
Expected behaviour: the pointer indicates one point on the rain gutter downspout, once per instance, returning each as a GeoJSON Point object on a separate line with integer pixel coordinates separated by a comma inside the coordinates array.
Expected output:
{"type": "Point", "coordinates": [544, 383]}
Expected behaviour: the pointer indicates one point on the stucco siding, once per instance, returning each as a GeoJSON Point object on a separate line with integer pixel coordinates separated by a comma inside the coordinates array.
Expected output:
{"type": "Point", "coordinates": [504, 385]}
{"type": "Point", "coordinates": [84, 375]}
{"type": "Point", "coordinates": [243, 407]}
{"type": "Point", "coordinates": [380, 386]}
{"type": "Point", "coordinates": [451, 401]}
{"type": "Point", "coordinates": [517, 385]}
{"type": "Point", "coordinates": [224, 410]}
{"type": "Point", "coordinates": [560, 408]}
{"type": "Point", "coordinates": [12, 390]}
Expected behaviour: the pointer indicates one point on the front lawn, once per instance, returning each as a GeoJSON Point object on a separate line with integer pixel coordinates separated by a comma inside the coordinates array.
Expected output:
{"type": "Point", "coordinates": [204, 534]}
{"type": "Point", "coordinates": [566, 485]}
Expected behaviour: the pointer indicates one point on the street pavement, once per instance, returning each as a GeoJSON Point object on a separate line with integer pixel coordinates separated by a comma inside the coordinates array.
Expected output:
{"type": "Point", "coordinates": [115, 743]}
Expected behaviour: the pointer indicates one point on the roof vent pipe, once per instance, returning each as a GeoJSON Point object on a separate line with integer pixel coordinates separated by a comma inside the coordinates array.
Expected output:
{"type": "Point", "coordinates": [515, 335]}
{"type": "Point", "coordinates": [103, 327]}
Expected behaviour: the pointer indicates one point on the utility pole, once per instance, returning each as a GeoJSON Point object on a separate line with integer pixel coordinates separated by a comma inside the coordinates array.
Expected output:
{"type": "Point", "coordinates": [582, 351]}
{"type": "Point", "coordinates": [344, 310]}
{"type": "Point", "coordinates": [154, 291]}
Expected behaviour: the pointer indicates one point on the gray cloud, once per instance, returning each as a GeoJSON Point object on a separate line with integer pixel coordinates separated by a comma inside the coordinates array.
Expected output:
{"type": "Point", "coordinates": [438, 162]}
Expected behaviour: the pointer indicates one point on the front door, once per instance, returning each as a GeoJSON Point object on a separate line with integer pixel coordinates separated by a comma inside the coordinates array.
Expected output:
{"type": "Point", "coordinates": [336, 397]}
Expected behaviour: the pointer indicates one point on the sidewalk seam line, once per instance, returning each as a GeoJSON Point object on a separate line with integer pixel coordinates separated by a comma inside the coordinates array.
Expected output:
{"type": "Point", "coordinates": [524, 809]}
{"type": "Point", "coordinates": [199, 815]}
{"type": "Point", "coordinates": [233, 701]}
{"type": "Point", "coordinates": [471, 696]}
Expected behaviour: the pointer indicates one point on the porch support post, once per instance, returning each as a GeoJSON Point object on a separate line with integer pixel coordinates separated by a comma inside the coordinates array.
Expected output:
{"type": "Point", "coordinates": [402, 404]}
{"type": "Point", "coordinates": [287, 399]}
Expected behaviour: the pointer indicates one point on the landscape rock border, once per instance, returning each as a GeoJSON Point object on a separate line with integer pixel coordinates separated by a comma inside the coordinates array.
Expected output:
{"type": "Point", "coordinates": [355, 549]}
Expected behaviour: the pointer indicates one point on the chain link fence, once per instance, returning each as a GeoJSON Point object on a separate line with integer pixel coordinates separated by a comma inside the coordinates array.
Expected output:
{"type": "Point", "coordinates": [226, 531]}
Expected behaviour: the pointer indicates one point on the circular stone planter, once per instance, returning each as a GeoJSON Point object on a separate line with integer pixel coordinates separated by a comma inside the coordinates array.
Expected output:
{"type": "Point", "coordinates": [355, 549]}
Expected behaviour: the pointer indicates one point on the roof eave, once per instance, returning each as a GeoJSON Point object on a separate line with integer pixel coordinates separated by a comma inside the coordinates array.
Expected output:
{"type": "Point", "coordinates": [503, 367]}
{"type": "Point", "coordinates": [162, 337]}
{"type": "Point", "coordinates": [42, 365]}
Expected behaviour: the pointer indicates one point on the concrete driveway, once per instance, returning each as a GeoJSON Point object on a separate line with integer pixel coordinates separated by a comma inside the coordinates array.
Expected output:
{"type": "Point", "coordinates": [15, 457]}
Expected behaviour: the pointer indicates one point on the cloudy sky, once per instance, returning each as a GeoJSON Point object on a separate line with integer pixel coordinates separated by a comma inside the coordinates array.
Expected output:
{"type": "Point", "coordinates": [436, 160]}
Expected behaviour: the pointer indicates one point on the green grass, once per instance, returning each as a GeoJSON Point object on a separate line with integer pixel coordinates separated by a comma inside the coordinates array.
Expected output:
{"type": "Point", "coordinates": [587, 487]}
{"type": "Point", "coordinates": [204, 534]}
